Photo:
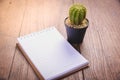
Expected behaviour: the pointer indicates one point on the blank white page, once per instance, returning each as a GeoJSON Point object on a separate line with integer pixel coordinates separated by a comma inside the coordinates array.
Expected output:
{"type": "Point", "coordinates": [51, 54]}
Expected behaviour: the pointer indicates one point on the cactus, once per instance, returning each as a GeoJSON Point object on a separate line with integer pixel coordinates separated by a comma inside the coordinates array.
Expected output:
{"type": "Point", "coordinates": [77, 13]}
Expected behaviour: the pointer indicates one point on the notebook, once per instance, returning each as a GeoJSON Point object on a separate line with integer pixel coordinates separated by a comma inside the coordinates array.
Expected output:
{"type": "Point", "coordinates": [50, 54]}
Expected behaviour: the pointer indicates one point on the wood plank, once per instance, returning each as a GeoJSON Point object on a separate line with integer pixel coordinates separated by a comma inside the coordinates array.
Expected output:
{"type": "Point", "coordinates": [31, 74]}
{"type": "Point", "coordinates": [7, 48]}
{"type": "Point", "coordinates": [76, 76]}
{"type": "Point", "coordinates": [19, 69]}
{"type": "Point", "coordinates": [11, 15]}
{"type": "Point", "coordinates": [101, 45]}
{"type": "Point", "coordinates": [10, 22]}
{"type": "Point", "coordinates": [31, 22]}
{"type": "Point", "coordinates": [33, 17]}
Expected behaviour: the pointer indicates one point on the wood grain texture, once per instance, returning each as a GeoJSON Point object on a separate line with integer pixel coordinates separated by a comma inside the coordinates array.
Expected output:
{"type": "Point", "coordinates": [19, 69]}
{"type": "Point", "coordinates": [31, 74]}
{"type": "Point", "coordinates": [11, 15]}
{"type": "Point", "coordinates": [7, 48]}
{"type": "Point", "coordinates": [101, 45]}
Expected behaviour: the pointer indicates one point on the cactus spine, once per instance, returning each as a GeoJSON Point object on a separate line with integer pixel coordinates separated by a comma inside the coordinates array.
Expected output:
{"type": "Point", "coordinates": [77, 13]}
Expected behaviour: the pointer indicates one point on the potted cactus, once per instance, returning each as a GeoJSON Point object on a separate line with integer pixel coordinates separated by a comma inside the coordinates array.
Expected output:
{"type": "Point", "coordinates": [76, 24]}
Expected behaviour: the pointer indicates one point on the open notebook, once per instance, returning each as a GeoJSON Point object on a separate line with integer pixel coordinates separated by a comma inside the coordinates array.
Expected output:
{"type": "Point", "coordinates": [50, 55]}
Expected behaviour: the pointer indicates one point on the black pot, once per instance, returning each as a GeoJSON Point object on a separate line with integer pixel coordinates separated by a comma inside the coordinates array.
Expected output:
{"type": "Point", "coordinates": [75, 35]}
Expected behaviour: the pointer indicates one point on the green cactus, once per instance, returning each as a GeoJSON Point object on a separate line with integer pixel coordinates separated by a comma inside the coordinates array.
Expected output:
{"type": "Point", "coordinates": [77, 13]}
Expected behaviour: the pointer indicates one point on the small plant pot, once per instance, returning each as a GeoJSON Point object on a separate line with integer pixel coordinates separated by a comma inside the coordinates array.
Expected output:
{"type": "Point", "coordinates": [75, 35]}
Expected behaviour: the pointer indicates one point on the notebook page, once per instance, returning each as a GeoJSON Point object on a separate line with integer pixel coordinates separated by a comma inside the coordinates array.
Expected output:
{"type": "Point", "coordinates": [52, 55]}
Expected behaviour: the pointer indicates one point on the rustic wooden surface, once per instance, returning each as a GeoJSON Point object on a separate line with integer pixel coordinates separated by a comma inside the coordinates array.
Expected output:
{"type": "Point", "coordinates": [101, 45]}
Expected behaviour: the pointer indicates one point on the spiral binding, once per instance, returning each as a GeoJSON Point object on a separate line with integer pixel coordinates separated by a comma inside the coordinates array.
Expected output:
{"type": "Point", "coordinates": [31, 35]}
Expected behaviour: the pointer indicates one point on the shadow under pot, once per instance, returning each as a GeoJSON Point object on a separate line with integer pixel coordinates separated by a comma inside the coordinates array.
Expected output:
{"type": "Point", "coordinates": [75, 35]}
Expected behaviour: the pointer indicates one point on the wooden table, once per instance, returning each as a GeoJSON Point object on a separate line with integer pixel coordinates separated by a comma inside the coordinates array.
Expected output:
{"type": "Point", "coordinates": [101, 45]}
